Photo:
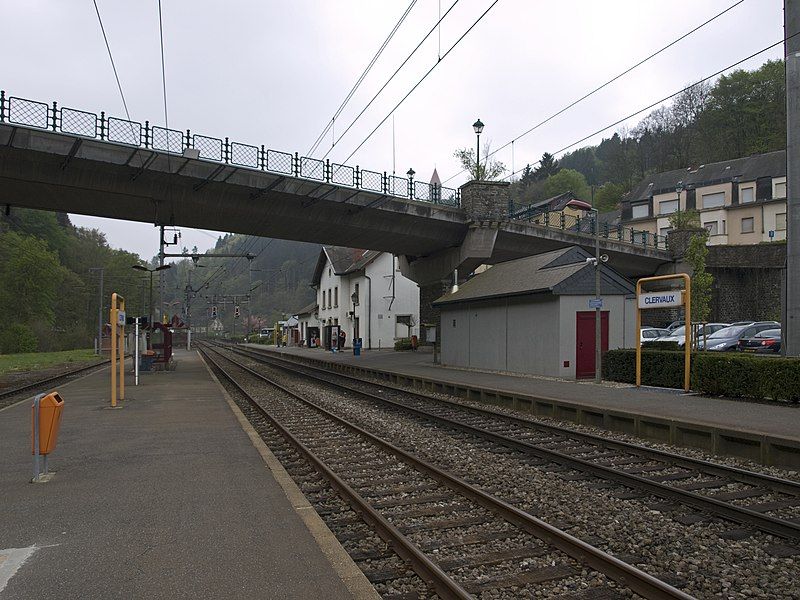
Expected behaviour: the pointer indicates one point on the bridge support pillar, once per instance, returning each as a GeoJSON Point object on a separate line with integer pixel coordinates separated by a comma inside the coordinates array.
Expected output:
{"type": "Point", "coordinates": [486, 200]}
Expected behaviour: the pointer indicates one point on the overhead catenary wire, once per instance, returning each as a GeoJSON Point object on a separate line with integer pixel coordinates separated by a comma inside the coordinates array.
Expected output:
{"type": "Point", "coordinates": [111, 58]}
{"type": "Point", "coordinates": [424, 77]}
{"type": "Point", "coordinates": [606, 84]}
{"type": "Point", "coordinates": [393, 75]}
{"type": "Point", "coordinates": [665, 98]}
{"type": "Point", "coordinates": [360, 79]}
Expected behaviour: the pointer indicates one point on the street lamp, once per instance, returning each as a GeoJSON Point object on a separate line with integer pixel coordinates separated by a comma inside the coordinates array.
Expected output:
{"type": "Point", "coordinates": [151, 271]}
{"type": "Point", "coordinates": [678, 190]}
{"type": "Point", "coordinates": [477, 126]}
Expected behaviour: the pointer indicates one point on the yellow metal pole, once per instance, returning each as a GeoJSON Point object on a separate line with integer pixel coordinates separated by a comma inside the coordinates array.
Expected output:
{"type": "Point", "coordinates": [687, 347]}
{"type": "Point", "coordinates": [638, 336]}
{"type": "Point", "coordinates": [113, 319]}
{"type": "Point", "coordinates": [121, 340]}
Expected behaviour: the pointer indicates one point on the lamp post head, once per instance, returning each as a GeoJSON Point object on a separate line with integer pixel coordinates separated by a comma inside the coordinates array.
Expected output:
{"type": "Point", "coordinates": [679, 187]}
{"type": "Point", "coordinates": [140, 268]}
{"type": "Point", "coordinates": [477, 126]}
{"type": "Point", "coordinates": [411, 173]}
{"type": "Point", "coordinates": [354, 298]}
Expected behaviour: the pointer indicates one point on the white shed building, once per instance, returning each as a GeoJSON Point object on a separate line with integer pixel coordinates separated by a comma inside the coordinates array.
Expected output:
{"type": "Point", "coordinates": [364, 293]}
{"type": "Point", "coordinates": [531, 315]}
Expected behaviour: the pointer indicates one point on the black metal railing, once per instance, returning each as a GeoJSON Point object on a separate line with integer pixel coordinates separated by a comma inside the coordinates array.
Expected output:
{"type": "Point", "coordinates": [40, 115]}
{"type": "Point", "coordinates": [570, 221]}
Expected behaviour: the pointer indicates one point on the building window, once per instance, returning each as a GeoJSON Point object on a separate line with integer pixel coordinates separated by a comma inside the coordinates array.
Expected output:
{"type": "Point", "coordinates": [403, 324]}
{"type": "Point", "coordinates": [747, 195]}
{"type": "Point", "coordinates": [724, 230]}
{"type": "Point", "coordinates": [748, 225]}
{"type": "Point", "coordinates": [336, 297]}
{"type": "Point", "coordinates": [711, 227]}
{"type": "Point", "coordinates": [329, 297]}
{"type": "Point", "coordinates": [667, 207]}
{"type": "Point", "coordinates": [639, 211]}
{"type": "Point", "coordinates": [780, 190]}
{"type": "Point", "coordinates": [329, 272]}
{"type": "Point", "coordinates": [714, 200]}
{"type": "Point", "coordinates": [664, 231]}
{"type": "Point", "coordinates": [780, 221]}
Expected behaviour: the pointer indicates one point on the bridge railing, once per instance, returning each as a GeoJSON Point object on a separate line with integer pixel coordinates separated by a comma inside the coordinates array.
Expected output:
{"type": "Point", "coordinates": [83, 124]}
{"type": "Point", "coordinates": [568, 221]}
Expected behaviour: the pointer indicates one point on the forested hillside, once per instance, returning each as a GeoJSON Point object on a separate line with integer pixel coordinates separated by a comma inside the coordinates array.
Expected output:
{"type": "Point", "coordinates": [281, 274]}
{"type": "Point", "coordinates": [742, 113]}
{"type": "Point", "coordinates": [48, 294]}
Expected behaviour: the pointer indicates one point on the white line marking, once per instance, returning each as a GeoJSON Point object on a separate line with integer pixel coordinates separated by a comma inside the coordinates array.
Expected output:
{"type": "Point", "coordinates": [10, 562]}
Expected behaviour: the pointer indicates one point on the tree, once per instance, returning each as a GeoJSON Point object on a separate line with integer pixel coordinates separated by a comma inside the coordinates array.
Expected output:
{"type": "Point", "coordinates": [489, 168]}
{"type": "Point", "coordinates": [548, 166]}
{"type": "Point", "coordinates": [567, 180]}
{"type": "Point", "coordinates": [607, 197]}
{"type": "Point", "coordinates": [687, 219]}
{"type": "Point", "coordinates": [701, 280]}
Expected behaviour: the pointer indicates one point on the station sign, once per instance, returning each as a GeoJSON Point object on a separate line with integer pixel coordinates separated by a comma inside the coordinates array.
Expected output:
{"type": "Point", "coordinates": [121, 318]}
{"type": "Point", "coordinates": [661, 299]}
{"type": "Point", "coordinates": [595, 303]}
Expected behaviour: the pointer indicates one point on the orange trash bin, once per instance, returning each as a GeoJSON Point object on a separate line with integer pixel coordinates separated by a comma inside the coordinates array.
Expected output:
{"type": "Point", "coordinates": [50, 409]}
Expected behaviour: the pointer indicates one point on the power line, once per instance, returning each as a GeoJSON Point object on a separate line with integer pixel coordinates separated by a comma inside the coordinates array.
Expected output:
{"type": "Point", "coordinates": [163, 73]}
{"type": "Point", "coordinates": [664, 99]}
{"type": "Point", "coordinates": [383, 87]}
{"type": "Point", "coordinates": [361, 78]}
{"type": "Point", "coordinates": [606, 84]}
{"type": "Point", "coordinates": [416, 85]}
{"type": "Point", "coordinates": [111, 57]}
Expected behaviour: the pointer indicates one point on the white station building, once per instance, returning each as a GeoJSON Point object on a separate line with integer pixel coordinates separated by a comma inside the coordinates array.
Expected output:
{"type": "Point", "coordinates": [364, 293]}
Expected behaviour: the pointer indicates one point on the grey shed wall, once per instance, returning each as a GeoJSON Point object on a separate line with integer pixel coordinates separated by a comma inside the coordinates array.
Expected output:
{"type": "Point", "coordinates": [509, 334]}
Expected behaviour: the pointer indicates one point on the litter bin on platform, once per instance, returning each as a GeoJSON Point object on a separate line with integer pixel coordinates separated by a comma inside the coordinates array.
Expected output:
{"type": "Point", "coordinates": [357, 347]}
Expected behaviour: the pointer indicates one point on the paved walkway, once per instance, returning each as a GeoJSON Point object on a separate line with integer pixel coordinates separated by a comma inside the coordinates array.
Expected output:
{"type": "Point", "coordinates": [166, 498]}
{"type": "Point", "coordinates": [749, 417]}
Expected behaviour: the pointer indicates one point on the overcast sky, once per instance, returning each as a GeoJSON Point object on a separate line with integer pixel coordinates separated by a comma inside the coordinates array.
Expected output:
{"type": "Point", "coordinates": [273, 73]}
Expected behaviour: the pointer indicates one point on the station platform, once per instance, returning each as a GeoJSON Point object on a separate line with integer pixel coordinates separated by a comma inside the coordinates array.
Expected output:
{"type": "Point", "coordinates": [763, 432]}
{"type": "Point", "coordinates": [172, 496]}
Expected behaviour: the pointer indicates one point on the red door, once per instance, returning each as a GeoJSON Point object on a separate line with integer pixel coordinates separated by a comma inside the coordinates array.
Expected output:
{"type": "Point", "coordinates": [584, 343]}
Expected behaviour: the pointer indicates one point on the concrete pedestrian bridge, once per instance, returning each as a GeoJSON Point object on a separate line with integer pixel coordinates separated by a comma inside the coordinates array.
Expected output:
{"type": "Point", "coordinates": [67, 160]}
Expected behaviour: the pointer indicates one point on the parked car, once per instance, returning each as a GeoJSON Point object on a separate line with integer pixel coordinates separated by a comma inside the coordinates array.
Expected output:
{"type": "Point", "coordinates": [727, 339]}
{"type": "Point", "coordinates": [764, 342]}
{"type": "Point", "coordinates": [674, 325]}
{"type": "Point", "coordinates": [650, 334]}
{"type": "Point", "coordinates": [679, 334]}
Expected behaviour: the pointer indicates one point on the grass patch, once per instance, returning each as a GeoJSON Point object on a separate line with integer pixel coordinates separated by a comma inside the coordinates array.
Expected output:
{"type": "Point", "coordinates": [34, 361]}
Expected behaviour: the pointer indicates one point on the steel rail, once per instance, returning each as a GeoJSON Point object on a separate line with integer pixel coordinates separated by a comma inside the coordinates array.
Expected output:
{"type": "Point", "coordinates": [741, 475]}
{"type": "Point", "coordinates": [768, 524]}
{"type": "Point", "coordinates": [427, 570]}
{"type": "Point", "coordinates": [637, 580]}
{"type": "Point", "coordinates": [37, 384]}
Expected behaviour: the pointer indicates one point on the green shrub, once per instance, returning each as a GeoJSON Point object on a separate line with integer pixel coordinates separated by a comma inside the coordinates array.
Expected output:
{"type": "Point", "coordinates": [661, 345]}
{"type": "Point", "coordinates": [659, 367]}
{"type": "Point", "coordinates": [18, 338]}
{"type": "Point", "coordinates": [729, 374]}
{"type": "Point", "coordinates": [742, 376]}
{"type": "Point", "coordinates": [403, 344]}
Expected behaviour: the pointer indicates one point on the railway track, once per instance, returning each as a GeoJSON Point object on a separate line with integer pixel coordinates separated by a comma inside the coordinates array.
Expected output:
{"type": "Point", "coordinates": [7, 396]}
{"type": "Point", "coordinates": [461, 541]}
{"type": "Point", "coordinates": [752, 500]}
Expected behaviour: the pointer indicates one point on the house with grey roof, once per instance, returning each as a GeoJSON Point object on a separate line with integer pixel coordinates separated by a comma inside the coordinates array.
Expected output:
{"type": "Point", "coordinates": [741, 201]}
{"type": "Point", "coordinates": [532, 315]}
{"type": "Point", "coordinates": [363, 293]}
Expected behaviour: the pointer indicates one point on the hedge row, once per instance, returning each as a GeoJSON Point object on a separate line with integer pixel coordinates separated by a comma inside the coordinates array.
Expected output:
{"type": "Point", "coordinates": [720, 374]}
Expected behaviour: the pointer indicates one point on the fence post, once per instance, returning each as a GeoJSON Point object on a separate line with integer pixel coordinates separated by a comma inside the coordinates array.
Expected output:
{"type": "Point", "coordinates": [147, 134]}
{"type": "Point", "coordinates": [357, 176]}
{"type": "Point", "coordinates": [326, 169]}
{"type": "Point", "coordinates": [103, 125]}
{"type": "Point", "coordinates": [55, 115]}
{"type": "Point", "coordinates": [296, 166]}
{"type": "Point", "coordinates": [262, 157]}
{"type": "Point", "coordinates": [2, 105]}
{"type": "Point", "coordinates": [227, 155]}
{"type": "Point", "coordinates": [188, 145]}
